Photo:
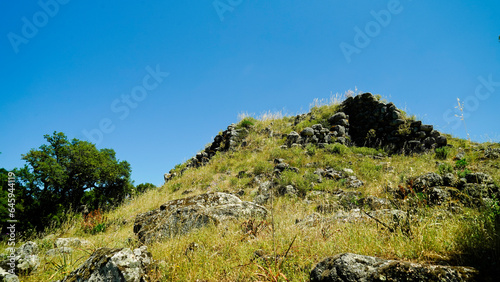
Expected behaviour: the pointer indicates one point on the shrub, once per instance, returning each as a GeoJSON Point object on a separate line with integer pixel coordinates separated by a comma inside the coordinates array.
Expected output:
{"type": "Point", "coordinates": [444, 168]}
{"type": "Point", "coordinates": [442, 153]}
{"type": "Point", "coordinates": [94, 222]}
{"type": "Point", "coordinates": [246, 122]}
{"type": "Point", "coordinates": [461, 164]}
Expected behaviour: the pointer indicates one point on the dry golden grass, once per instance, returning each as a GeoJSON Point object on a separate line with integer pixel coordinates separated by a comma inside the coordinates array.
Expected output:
{"type": "Point", "coordinates": [226, 253]}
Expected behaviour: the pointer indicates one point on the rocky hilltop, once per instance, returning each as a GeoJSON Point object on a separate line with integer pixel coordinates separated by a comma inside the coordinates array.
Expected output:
{"type": "Point", "coordinates": [352, 191]}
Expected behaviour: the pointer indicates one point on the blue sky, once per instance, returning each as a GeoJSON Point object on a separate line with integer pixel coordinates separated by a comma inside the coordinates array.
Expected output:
{"type": "Point", "coordinates": [157, 80]}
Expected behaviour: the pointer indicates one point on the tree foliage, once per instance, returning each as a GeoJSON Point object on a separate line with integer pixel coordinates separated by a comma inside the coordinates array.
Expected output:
{"type": "Point", "coordinates": [63, 175]}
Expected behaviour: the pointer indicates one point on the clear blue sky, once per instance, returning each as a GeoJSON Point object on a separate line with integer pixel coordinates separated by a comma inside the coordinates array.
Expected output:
{"type": "Point", "coordinates": [81, 66]}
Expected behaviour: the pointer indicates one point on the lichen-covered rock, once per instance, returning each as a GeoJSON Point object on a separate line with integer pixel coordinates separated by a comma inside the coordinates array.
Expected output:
{"type": "Point", "coordinates": [183, 215]}
{"type": "Point", "coordinates": [24, 259]}
{"type": "Point", "coordinates": [70, 242]}
{"type": "Point", "coordinates": [425, 181]}
{"type": "Point", "coordinates": [354, 267]}
{"type": "Point", "coordinates": [7, 277]}
{"type": "Point", "coordinates": [120, 265]}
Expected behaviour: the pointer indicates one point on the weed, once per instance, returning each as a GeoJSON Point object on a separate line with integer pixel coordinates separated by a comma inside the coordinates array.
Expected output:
{"type": "Point", "coordinates": [442, 153]}
{"type": "Point", "coordinates": [461, 164]}
{"type": "Point", "coordinates": [94, 222]}
{"type": "Point", "coordinates": [445, 168]}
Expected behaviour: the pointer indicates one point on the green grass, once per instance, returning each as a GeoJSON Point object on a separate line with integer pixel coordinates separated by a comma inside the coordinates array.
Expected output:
{"type": "Point", "coordinates": [437, 235]}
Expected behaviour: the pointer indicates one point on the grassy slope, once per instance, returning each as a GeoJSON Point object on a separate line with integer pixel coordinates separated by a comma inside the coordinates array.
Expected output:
{"type": "Point", "coordinates": [225, 253]}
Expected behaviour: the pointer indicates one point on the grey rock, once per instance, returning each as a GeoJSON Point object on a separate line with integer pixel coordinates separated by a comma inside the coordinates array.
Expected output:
{"type": "Point", "coordinates": [24, 260]}
{"type": "Point", "coordinates": [337, 117]}
{"type": "Point", "coordinates": [354, 267]}
{"type": "Point", "coordinates": [479, 178]}
{"type": "Point", "coordinates": [288, 190]}
{"type": "Point", "coordinates": [426, 127]}
{"type": "Point", "coordinates": [70, 242]}
{"type": "Point", "coordinates": [7, 277]}
{"type": "Point", "coordinates": [492, 153]}
{"type": "Point", "coordinates": [427, 180]}
{"type": "Point", "coordinates": [339, 129]}
{"type": "Point", "coordinates": [449, 179]}
{"type": "Point", "coordinates": [58, 251]}
{"type": "Point", "coordinates": [438, 196]}
{"type": "Point", "coordinates": [353, 182]}
{"type": "Point", "coordinates": [181, 216]}
{"type": "Point", "coordinates": [441, 141]}
{"type": "Point", "coordinates": [120, 265]}
{"type": "Point", "coordinates": [307, 132]}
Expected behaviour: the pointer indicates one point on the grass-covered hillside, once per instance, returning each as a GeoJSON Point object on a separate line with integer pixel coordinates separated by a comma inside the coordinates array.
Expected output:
{"type": "Point", "coordinates": [315, 210]}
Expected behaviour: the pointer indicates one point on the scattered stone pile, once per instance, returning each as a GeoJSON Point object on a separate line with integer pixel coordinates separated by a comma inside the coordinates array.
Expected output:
{"type": "Point", "coordinates": [183, 215]}
{"type": "Point", "coordinates": [351, 181]}
{"type": "Point", "coordinates": [474, 189]}
{"type": "Point", "coordinates": [365, 121]}
{"type": "Point", "coordinates": [373, 123]}
{"type": "Point", "coordinates": [228, 140]}
{"type": "Point", "coordinates": [353, 267]}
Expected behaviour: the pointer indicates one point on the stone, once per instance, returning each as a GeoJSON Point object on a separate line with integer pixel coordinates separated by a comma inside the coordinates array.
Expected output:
{"type": "Point", "coordinates": [426, 127]}
{"type": "Point", "coordinates": [354, 267]}
{"type": "Point", "coordinates": [58, 251]}
{"type": "Point", "coordinates": [120, 265]}
{"type": "Point", "coordinates": [441, 141]}
{"type": "Point", "coordinates": [288, 190]}
{"type": "Point", "coordinates": [307, 132]}
{"type": "Point", "coordinates": [479, 178]}
{"type": "Point", "coordinates": [70, 242]}
{"type": "Point", "coordinates": [492, 153]}
{"type": "Point", "coordinates": [449, 179]}
{"type": "Point", "coordinates": [336, 117]}
{"type": "Point", "coordinates": [427, 180]}
{"type": "Point", "coordinates": [25, 259]}
{"type": "Point", "coordinates": [339, 129]}
{"type": "Point", "coordinates": [353, 182]}
{"type": "Point", "coordinates": [181, 216]}
{"type": "Point", "coordinates": [7, 277]}
{"type": "Point", "coordinates": [438, 196]}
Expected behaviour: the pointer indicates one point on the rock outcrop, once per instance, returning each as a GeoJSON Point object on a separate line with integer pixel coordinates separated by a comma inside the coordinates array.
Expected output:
{"type": "Point", "coordinates": [473, 189]}
{"type": "Point", "coordinates": [120, 265]}
{"type": "Point", "coordinates": [353, 267]}
{"type": "Point", "coordinates": [23, 260]}
{"type": "Point", "coordinates": [183, 215]}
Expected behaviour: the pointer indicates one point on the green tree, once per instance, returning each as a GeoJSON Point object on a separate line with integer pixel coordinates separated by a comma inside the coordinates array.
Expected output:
{"type": "Point", "coordinates": [63, 175]}
{"type": "Point", "coordinates": [143, 187]}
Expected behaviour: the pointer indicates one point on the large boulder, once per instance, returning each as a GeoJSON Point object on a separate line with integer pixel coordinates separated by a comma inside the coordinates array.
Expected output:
{"type": "Point", "coordinates": [183, 215]}
{"type": "Point", "coordinates": [353, 267]}
{"type": "Point", "coordinates": [119, 265]}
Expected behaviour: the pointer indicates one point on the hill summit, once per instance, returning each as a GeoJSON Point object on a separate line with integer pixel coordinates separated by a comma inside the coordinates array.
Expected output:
{"type": "Point", "coordinates": [351, 191]}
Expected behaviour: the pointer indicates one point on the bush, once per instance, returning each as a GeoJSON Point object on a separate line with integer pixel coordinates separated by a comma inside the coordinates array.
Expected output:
{"type": "Point", "coordinates": [445, 168]}
{"type": "Point", "coordinates": [442, 153]}
{"type": "Point", "coordinates": [461, 164]}
{"type": "Point", "coordinates": [94, 222]}
{"type": "Point", "coordinates": [246, 122]}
